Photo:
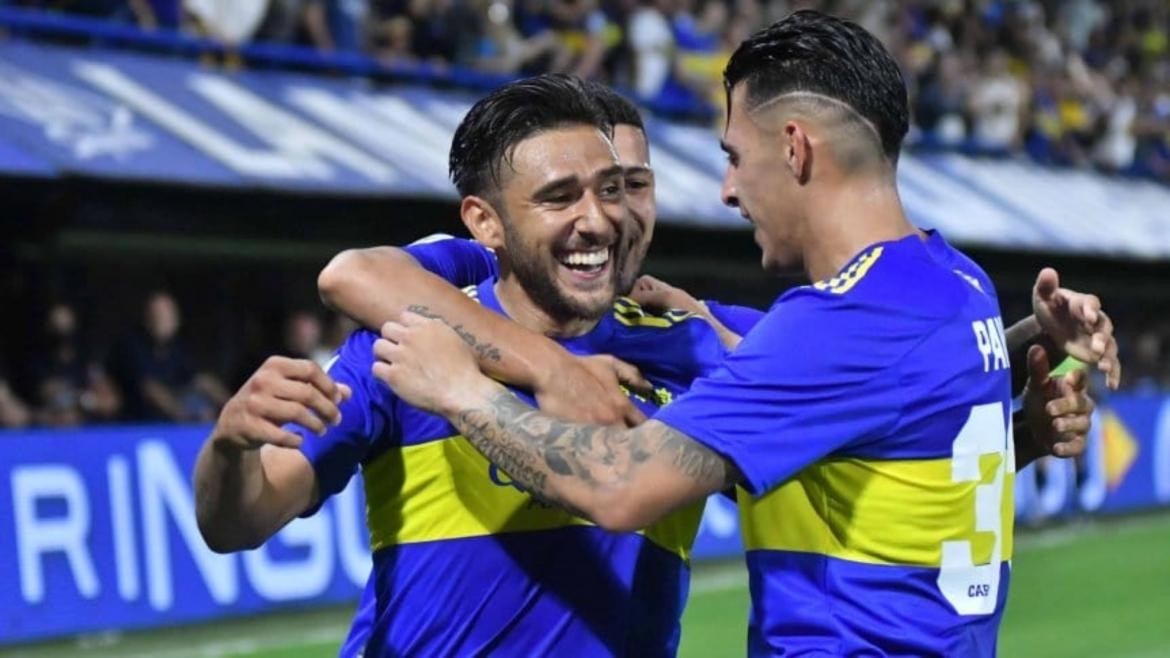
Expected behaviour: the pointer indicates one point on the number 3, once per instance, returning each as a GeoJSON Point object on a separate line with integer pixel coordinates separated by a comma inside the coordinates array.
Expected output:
{"type": "Point", "coordinates": [973, 589]}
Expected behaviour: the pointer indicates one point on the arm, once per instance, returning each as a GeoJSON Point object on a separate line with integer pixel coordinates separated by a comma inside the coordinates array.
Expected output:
{"type": "Point", "coordinates": [250, 479]}
{"type": "Point", "coordinates": [354, 282]}
{"type": "Point", "coordinates": [622, 479]}
{"type": "Point", "coordinates": [157, 394]}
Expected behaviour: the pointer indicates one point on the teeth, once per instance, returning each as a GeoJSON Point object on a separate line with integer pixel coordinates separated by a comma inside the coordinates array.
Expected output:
{"type": "Point", "coordinates": [587, 258]}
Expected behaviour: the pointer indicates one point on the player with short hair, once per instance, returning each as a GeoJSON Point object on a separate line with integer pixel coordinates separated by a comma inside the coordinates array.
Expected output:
{"type": "Point", "coordinates": [466, 560]}
{"type": "Point", "coordinates": [865, 417]}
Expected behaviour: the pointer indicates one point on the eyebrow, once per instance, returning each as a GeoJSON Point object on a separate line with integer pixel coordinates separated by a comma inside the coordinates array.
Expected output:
{"type": "Point", "coordinates": [614, 170]}
{"type": "Point", "coordinates": [638, 169]}
{"type": "Point", "coordinates": [552, 186]}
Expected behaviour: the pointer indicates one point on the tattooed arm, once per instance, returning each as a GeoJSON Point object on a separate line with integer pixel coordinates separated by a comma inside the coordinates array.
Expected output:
{"type": "Point", "coordinates": [622, 479]}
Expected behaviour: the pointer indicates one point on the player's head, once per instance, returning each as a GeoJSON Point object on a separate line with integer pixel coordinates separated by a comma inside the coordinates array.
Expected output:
{"type": "Point", "coordinates": [541, 184]}
{"type": "Point", "coordinates": [633, 151]}
{"type": "Point", "coordinates": [814, 101]}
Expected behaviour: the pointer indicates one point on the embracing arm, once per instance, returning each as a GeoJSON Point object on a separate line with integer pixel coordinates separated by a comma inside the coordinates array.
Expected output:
{"type": "Point", "coordinates": [356, 283]}
{"type": "Point", "coordinates": [622, 479]}
{"type": "Point", "coordinates": [250, 479]}
{"type": "Point", "coordinates": [373, 286]}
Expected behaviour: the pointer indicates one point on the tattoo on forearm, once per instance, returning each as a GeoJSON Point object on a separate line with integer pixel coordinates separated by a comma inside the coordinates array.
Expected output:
{"type": "Point", "coordinates": [532, 447]}
{"type": "Point", "coordinates": [485, 351]}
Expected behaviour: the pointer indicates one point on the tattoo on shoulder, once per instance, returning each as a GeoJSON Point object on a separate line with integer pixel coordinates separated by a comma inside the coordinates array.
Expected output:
{"type": "Point", "coordinates": [531, 446]}
{"type": "Point", "coordinates": [485, 351]}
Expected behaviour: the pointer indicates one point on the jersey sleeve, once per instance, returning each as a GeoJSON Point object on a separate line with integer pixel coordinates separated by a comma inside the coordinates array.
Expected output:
{"type": "Point", "coordinates": [365, 417]}
{"type": "Point", "coordinates": [805, 383]}
{"type": "Point", "coordinates": [460, 262]}
{"type": "Point", "coordinates": [739, 319]}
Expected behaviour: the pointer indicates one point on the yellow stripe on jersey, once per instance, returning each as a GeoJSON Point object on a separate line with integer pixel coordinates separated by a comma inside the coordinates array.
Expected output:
{"type": "Point", "coordinates": [630, 313]}
{"type": "Point", "coordinates": [896, 512]}
{"type": "Point", "coordinates": [844, 282]}
{"type": "Point", "coordinates": [445, 489]}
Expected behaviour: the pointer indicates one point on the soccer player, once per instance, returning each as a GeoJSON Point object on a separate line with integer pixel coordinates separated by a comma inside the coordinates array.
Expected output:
{"type": "Point", "coordinates": [865, 417]}
{"type": "Point", "coordinates": [466, 561]}
{"type": "Point", "coordinates": [1064, 321]}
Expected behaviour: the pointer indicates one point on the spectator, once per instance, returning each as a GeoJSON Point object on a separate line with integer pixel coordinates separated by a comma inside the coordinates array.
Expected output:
{"type": "Point", "coordinates": [652, 42]}
{"type": "Point", "coordinates": [503, 49]}
{"type": "Point", "coordinates": [997, 103]}
{"type": "Point", "coordinates": [13, 412]}
{"type": "Point", "coordinates": [585, 32]}
{"type": "Point", "coordinates": [156, 373]}
{"type": "Point", "coordinates": [941, 100]}
{"type": "Point", "coordinates": [71, 388]}
{"type": "Point", "coordinates": [394, 40]}
{"type": "Point", "coordinates": [702, 54]}
{"type": "Point", "coordinates": [231, 22]}
{"type": "Point", "coordinates": [154, 14]}
{"type": "Point", "coordinates": [302, 338]}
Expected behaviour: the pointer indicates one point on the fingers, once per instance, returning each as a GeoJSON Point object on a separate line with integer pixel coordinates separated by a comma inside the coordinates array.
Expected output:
{"type": "Point", "coordinates": [1038, 368]}
{"type": "Point", "coordinates": [1047, 282]}
{"type": "Point", "coordinates": [308, 397]}
{"type": "Point", "coordinates": [305, 371]}
{"type": "Point", "coordinates": [1073, 397]}
{"type": "Point", "coordinates": [344, 392]}
{"type": "Point", "coordinates": [634, 416]}
{"type": "Point", "coordinates": [382, 371]}
{"type": "Point", "coordinates": [393, 331]}
{"type": "Point", "coordinates": [266, 412]}
{"type": "Point", "coordinates": [384, 349]}
{"type": "Point", "coordinates": [1110, 364]}
{"type": "Point", "coordinates": [1084, 307]}
{"type": "Point", "coordinates": [631, 376]}
{"type": "Point", "coordinates": [276, 435]}
{"type": "Point", "coordinates": [1073, 447]}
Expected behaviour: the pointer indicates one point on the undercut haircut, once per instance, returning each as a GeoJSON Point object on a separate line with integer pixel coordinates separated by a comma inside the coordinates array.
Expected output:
{"type": "Point", "coordinates": [488, 134]}
{"type": "Point", "coordinates": [811, 54]}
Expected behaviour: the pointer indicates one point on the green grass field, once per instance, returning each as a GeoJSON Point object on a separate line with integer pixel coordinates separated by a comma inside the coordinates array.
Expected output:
{"type": "Point", "coordinates": [1090, 589]}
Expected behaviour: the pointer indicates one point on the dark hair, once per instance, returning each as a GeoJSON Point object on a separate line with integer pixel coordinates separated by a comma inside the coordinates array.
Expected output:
{"type": "Point", "coordinates": [509, 115]}
{"type": "Point", "coordinates": [815, 52]}
{"type": "Point", "coordinates": [618, 110]}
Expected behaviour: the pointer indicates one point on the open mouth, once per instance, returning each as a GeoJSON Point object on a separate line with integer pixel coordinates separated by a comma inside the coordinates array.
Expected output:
{"type": "Point", "coordinates": [587, 264]}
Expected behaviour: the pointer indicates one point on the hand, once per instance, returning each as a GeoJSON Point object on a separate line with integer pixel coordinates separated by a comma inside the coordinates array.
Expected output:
{"type": "Point", "coordinates": [587, 390]}
{"type": "Point", "coordinates": [659, 295]}
{"type": "Point", "coordinates": [282, 391]}
{"type": "Point", "coordinates": [1058, 410]}
{"type": "Point", "coordinates": [1075, 321]}
{"type": "Point", "coordinates": [426, 363]}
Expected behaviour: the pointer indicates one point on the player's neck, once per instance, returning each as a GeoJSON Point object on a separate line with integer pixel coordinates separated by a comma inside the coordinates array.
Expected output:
{"type": "Point", "coordinates": [856, 214]}
{"type": "Point", "coordinates": [522, 309]}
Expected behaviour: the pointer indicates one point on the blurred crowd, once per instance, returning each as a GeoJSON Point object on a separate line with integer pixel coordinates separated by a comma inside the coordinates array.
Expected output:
{"type": "Point", "coordinates": [146, 375]}
{"type": "Point", "coordinates": [1071, 82]}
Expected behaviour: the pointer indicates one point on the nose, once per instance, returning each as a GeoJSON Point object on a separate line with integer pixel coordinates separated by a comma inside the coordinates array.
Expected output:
{"type": "Point", "coordinates": [600, 220]}
{"type": "Point", "coordinates": [727, 192]}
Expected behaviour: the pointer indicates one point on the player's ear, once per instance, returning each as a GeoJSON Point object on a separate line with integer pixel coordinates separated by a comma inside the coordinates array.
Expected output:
{"type": "Point", "coordinates": [482, 221]}
{"type": "Point", "coordinates": [797, 151]}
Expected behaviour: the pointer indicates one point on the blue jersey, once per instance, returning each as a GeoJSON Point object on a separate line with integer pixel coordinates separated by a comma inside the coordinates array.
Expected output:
{"type": "Point", "coordinates": [466, 562]}
{"type": "Point", "coordinates": [466, 262]}
{"type": "Point", "coordinates": [870, 417]}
